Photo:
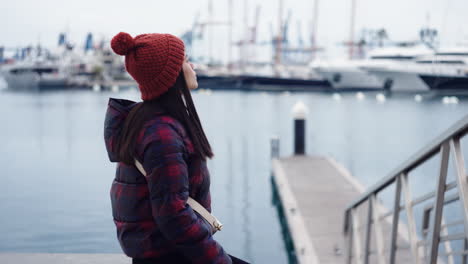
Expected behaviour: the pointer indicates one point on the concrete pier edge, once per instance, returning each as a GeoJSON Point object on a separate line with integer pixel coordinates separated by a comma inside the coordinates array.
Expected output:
{"type": "Point", "coordinates": [305, 251]}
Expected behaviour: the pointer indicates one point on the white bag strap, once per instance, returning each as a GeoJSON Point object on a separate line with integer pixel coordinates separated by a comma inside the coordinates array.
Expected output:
{"type": "Point", "coordinates": [214, 222]}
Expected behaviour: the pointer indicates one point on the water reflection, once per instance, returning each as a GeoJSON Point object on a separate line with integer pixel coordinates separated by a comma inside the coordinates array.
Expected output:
{"type": "Point", "coordinates": [247, 230]}
{"type": "Point", "coordinates": [55, 167]}
{"type": "Point", "coordinates": [230, 178]}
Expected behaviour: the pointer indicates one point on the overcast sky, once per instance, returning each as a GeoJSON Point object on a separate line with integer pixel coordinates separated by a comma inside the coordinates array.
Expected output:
{"type": "Point", "coordinates": [26, 22]}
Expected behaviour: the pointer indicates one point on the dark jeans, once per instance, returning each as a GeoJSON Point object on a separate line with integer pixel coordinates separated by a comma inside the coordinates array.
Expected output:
{"type": "Point", "coordinates": [176, 259]}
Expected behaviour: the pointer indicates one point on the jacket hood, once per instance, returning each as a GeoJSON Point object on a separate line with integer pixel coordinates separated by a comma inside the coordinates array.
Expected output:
{"type": "Point", "coordinates": [117, 112]}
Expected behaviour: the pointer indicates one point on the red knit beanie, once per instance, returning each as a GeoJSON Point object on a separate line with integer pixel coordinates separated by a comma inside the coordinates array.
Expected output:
{"type": "Point", "coordinates": [153, 60]}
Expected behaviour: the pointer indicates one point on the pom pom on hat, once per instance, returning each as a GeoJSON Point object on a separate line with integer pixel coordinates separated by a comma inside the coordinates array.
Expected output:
{"type": "Point", "coordinates": [122, 43]}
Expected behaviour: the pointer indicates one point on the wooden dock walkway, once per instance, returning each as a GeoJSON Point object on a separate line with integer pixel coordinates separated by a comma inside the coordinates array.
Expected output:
{"type": "Point", "coordinates": [314, 192]}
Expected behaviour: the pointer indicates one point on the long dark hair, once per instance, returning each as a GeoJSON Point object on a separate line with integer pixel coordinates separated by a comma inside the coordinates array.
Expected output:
{"type": "Point", "coordinates": [172, 103]}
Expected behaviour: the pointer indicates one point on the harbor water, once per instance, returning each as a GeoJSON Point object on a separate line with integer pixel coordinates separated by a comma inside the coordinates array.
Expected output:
{"type": "Point", "coordinates": [56, 176]}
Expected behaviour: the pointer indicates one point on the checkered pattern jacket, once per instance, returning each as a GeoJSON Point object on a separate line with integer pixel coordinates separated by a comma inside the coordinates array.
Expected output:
{"type": "Point", "coordinates": [151, 213]}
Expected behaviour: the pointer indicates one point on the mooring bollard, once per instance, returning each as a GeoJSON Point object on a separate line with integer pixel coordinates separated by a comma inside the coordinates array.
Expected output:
{"type": "Point", "coordinates": [299, 113]}
{"type": "Point", "coordinates": [274, 143]}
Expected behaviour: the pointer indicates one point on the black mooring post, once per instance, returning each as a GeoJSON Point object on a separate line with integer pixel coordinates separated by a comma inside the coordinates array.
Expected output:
{"type": "Point", "coordinates": [299, 113]}
{"type": "Point", "coordinates": [299, 137]}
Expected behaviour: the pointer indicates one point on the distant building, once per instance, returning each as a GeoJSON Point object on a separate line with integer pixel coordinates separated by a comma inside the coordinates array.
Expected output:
{"type": "Point", "coordinates": [89, 42]}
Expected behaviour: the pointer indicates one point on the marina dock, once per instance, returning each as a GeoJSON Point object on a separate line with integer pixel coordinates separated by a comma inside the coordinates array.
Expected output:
{"type": "Point", "coordinates": [314, 192]}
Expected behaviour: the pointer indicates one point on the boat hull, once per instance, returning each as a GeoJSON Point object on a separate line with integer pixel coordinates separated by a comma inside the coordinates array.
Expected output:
{"type": "Point", "coordinates": [400, 81]}
{"type": "Point", "coordinates": [245, 82]}
{"type": "Point", "coordinates": [437, 82]}
{"type": "Point", "coordinates": [32, 81]}
{"type": "Point", "coordinates": [352, 79]}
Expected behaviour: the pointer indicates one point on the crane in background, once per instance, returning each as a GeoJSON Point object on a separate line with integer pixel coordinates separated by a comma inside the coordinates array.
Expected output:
{"type": "Point", "coordinates": [250, 39]}
{"type": "Point", "coordinates": [299, 54]}
{"type": "Point", "coordinates": [351, 44]}
{"type": "Point", "coordinates": [254, 27]}
{"type": "Point", "coordinates": [200, 29]}
{"type": "Point", "coordinates": [314, 27]}
{"type": "Point", "coordinates": [283, 50]}
{"type": "Point", "coordinates": [300, 40]}
{"type": "Point", "coordinates": [285, 38]}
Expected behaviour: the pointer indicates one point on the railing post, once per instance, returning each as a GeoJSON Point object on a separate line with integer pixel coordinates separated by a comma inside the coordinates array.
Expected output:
{"type": "Point", "coordinates": [461, 180]}
{"type": "Point", "coordinates": [438, 204]}
{"type": "Point", "coordinates": [426, 219]}
{"type": "Point", "coordinates": [377, 230]}
{"type": "Point", "coordinates": [349, 234]}
{"type": "Point", "coordinates": [368, 232]}
{"type": "Point", "coordinates": [465, 248]}
{"type": "Point", "coordinates": [396, 219]}
{"type": "Point", "coordinates": [356, 238]}
{"type": "Point", "coordinates": [413, 239]}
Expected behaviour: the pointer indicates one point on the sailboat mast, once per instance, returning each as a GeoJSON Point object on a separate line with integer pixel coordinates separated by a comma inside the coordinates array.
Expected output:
{"type": "Point", "coordinates": [279, 38]}
{"type": "Point", "coordinates": [231, 24]}
{"type": "Point", "coordinates": [351, 33]}
{"type": "Point", "coordinates": [210, 47]}
{"type": "Point", "coordinates": [246, 34]}
{"type": "Point", "coordinates": [315, 25]}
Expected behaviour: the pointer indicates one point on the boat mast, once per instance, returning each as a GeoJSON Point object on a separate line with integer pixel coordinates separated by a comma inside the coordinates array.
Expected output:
{"type": "Point", "coordinates": [230, 35]}
{"type": "Point", "coordinates": [279, 38]}
{"type": "Point", "coordinates": [351, 33]}
{"type": "Point", "coordinates": [315, 27]}
{"type": "Point", "coordinates": [246, 35]}
{"type": "Point", "coordinates": [210, 45]}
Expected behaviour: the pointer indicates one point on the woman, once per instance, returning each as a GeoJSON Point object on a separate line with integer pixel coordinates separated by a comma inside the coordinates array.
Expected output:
{"type": "Point", "coordinates": [164, 134]}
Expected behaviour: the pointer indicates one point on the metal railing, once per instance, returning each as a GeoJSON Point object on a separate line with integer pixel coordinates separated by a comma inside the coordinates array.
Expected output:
{"type": "Point", "coordinates": [422, 247]}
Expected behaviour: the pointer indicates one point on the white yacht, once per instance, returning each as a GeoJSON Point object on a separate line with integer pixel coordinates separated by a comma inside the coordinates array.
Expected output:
{"type": "Point", "coordinates": [35, 76]}
{"type": "Point", "coordinates": [445, 69]}
{"type": "Point", "coordinates": [353, 74]}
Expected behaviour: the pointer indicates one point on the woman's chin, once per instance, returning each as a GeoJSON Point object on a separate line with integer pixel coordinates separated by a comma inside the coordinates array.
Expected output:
{"type": "Point", "coordinates": [193, 86]}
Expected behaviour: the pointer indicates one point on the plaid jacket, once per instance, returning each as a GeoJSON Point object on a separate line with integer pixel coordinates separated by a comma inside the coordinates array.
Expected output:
{"type": "Point", "coordinates": [151, 213]}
